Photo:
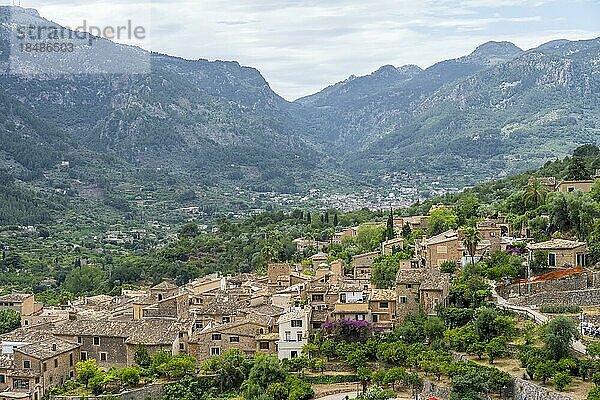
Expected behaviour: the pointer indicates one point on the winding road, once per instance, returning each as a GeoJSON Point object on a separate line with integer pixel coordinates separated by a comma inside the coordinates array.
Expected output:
{"type": "Point", "coordinates": [538, 317]}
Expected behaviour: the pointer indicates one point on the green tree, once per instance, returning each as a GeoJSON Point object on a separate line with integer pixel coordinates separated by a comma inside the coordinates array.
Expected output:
{"type": "Point", "coordinates": [265, 371]}
{"type": "Point", "coordinates": [87, 370]}
{"type": "Point", "coordinates": [535, 193]}
{"type": "Point", "coordinates": [544, 371]}
{"type": "Point", "coordinates": [389, 232]}
{"type": "Point", "coordinates": [440, 220]}
{"type": "Point", "coordinates": [558, 335]}
{"type": "Point", "coordinates": [9, 321]}
{"type": "Point", "coordinates": [496, 348]}
{"type": "Point", "coordinates": [471, 239]}
{"type": "Point", "coordinates": [478, 349]}
{"type": "Point", "coordinates": [594, 394]}
{"type": "Point", "coordinates": [141, 356]}
{"type": "Point", "coordinates": [385, 268]}
{"type": "Point", "coordinates": [577, 170]}
{"type": "Point", "coordinates": [562, 380]}
{"type": "Point", "coordinates": [434, 328]}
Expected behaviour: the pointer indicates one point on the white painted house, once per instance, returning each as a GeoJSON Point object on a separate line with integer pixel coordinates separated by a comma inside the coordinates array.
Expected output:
{"type": "Point", "coordinates": [293, 332]}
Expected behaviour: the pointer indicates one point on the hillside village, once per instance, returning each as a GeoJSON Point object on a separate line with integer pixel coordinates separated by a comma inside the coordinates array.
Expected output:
{"type": "Point", "coordinates": [278, 313]}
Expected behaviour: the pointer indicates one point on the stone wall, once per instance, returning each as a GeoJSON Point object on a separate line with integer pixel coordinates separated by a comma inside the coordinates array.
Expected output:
{"type": "Point", "coordinates": [573, 282]}
{"type": "Point", "coordinates": [584, 298]}
{"type": "Point", "coordinates": [527, 390]}
{"type": "Point", "coordinates": [150, 392]}
{"type": "Point", "coordinates": [430, 389]}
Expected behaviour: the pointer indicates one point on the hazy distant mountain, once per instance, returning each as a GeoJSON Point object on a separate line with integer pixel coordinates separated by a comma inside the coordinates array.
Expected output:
{"type": "Point", "coordinates": [495, 111]}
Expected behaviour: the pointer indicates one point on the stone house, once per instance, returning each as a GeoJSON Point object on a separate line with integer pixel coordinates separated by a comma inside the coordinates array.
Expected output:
{"type": "Point", "coordinates": [250, 334]}
{"type": "Point", "coordinates": [293, 328]}
{"type": "Point", "coordinates": [573, 186]}
{"type": "Point", "coordinates": [414, 222]}
{"type": "Point", "coordinates": [352, 302]}
{"type": "Point", "coordinates": [389, 246]}
{"type": "Point", "coordinates": [163, 290]}
{"type": "Point", "coordinates": [339, 237]}
{"type": "Point", "coordinates": [562, 253]}
{"type": "Point", "coordinates": [421, 290]}
{"type": "Point", "coordinates": [363, 264]}
{"type": "Point", "coordinates": [36, 366]}
{"type": "Point", "coordinates": [222, 309]}
{"type": "Point", "coordinates": [113, 343]}
{"type": "Point", "coordinates": [23, 303]}
{"type": "Point", "coordinates": [382, 307]}
{"type": "Point", "coordinates": [319, 259]}
{"type": "Point", "coordinates": [174, 308]}
{"type": "Point", "coordinates": [278, 274]}
{"type": "Point", "coordinates": [437, 249]}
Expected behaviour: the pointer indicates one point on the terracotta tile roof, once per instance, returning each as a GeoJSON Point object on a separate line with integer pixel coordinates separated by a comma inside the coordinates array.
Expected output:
{"type": "Point", "coordinates": [6, 360]}
{"type": "Point", "coordinates": [382, 294]}
{"type": "Point", "coordinates": [556, 244]}
{"type": "Point", "coordinates": [47, 348]}
{"type": "Point", "coordinates": [442, 237]}
{"type": "Point", "coordinates": [15, 297]}
{"type": "Point", "coordinates": [164, 285]}
{"type": "Point", "coordinates": [259, 320]}
{"type": "Point", "coordinates": [267, 309]}
{"type": "Point", "coordinates": [26, 335]}
{"type": "Point", "coordinates": [149, 332]}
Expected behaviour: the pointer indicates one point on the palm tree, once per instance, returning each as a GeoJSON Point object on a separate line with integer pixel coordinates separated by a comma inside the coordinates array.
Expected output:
{"type": "Point", "coordinates": [535, 193]}
{"type": "Point", "coordinates": [471, 239]}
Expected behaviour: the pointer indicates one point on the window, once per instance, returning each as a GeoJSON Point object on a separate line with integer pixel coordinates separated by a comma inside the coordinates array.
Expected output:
{"type": "Point", "coordinates": [293, 354]}
{"type": "Point", "coordinates": [580, 260]}
{"type": "Point", "coordinates": [383, 304]}
{"type": "Point", "coordinates": [216, 336]}
{"type": "Point", "coordinates": [79, 339]}
{"type": "Point", "coordinates": [570, 189]}
{"type": "Point", "coordinates": [316, 325]}
{"type": "Point", "coordinates": [296, 323]}
{"type": "Point", "coordinates": [288, 336]}
{"type": "Point", "coordinates": [375, 318]}
{"type": "Point", "coordinates": [409, 285]}
{"type": "Point", "coordinates": [215, 351]}
{"type": "Point", "coordinates": [263, 345]}
{"type": "Point", "coordinates": [299, 335]}
{"type": "Point", "coordinates": [226, 320]}
{"type": "Point", "coordinates": [181, 346]}
{"type": "Point", "coordinates": [71, 360]}
{"type": "Point", "coordinates": [26, 322]}
{"type": "Point", "coordinates": [317, 297]}
{"type": "Point", "coordinates": [56, 363]}
{"type": "Point", "coordinates": [44, 367]}
{"type": "Point", "coordinates": [234, 339]}
{"type": "Point", "coordinates": [342, 297]}
{"type": "Point", "coordinates": [403, 300]}
{"type": "Point", "coordinates": [83, 355]}
{"type": "Point", "coordinates": [22, 384]}
{"type": "Point", "coordinates": [551, 260]}
{"type": "Point", "coordinates": [2, 378]}
{"type": "Point", "coordinates": [26, 364]}
{"type": "Point", "coordinates": [103, 356]}
{"type": "Point", "coordinates": [96, 341]}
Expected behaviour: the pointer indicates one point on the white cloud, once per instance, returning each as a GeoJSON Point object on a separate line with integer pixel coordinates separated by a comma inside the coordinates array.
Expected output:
{"type": "Point", "coordinates": [301, 46]}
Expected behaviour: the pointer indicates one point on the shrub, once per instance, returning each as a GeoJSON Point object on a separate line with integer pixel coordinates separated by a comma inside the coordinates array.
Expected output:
{"type": "Point", "coordinates": [562, 380]}
{"type": "Point", "coordinates": [560, 309]}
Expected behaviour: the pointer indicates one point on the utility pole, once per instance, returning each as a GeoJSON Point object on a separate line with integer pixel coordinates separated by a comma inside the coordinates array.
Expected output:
{"type": "Point", "coordinates": [529, 255]}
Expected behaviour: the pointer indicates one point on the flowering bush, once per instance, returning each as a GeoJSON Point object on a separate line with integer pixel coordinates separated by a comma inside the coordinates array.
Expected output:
{"type": "Point", "coordinates": [349, 330]}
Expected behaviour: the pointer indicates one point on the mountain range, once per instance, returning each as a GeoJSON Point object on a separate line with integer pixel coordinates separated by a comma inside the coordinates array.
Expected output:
{"type": "Point", "coordinates": [209, 125]}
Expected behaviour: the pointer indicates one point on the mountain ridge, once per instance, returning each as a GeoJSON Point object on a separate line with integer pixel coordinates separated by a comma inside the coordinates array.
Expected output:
{"type": "Point", "coordinates": [214, 124]}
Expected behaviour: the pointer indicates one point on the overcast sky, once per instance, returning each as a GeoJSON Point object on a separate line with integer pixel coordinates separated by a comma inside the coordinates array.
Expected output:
{"type": "Point", "coordinates": [301, 46]}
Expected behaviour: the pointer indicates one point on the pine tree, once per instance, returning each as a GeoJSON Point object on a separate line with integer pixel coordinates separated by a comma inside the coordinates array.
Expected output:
{"type": "Point", "coordinates": [389, 230]}
{"type": "Point", "coordinates": [335, 220]}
